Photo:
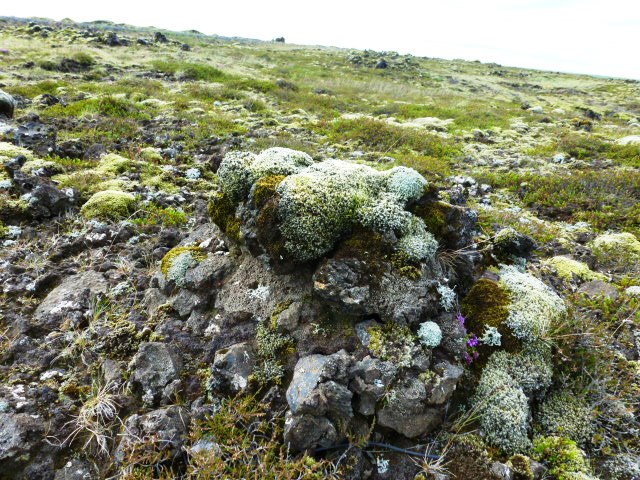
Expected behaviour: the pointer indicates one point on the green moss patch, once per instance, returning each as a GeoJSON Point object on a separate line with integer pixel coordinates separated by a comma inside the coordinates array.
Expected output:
{"type": "Point", "coordinates": [109, 205]}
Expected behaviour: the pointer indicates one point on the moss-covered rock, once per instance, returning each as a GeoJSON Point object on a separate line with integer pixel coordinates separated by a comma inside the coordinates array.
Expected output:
{"type": "Point", "coordinates": [9, 151]}
{"type": "Point", "coordinates": [316, 205]}
{"type": "Point", "coordinates": [114, 164]}
{"type": "Point", "coordinates": [222, 211]}
{"type": "Point", "coordinates": [178, 260]}
{"type": "Point", "coordinates": [569, 269]}
{"type": "Point", "coordinates": [109, 205]}
{"type": "Point", "coordinates": [521, 467]}
{"type": "Point", "coordinates": [563, 457]}
{"type": "Point", "coordinates": [619, 252]}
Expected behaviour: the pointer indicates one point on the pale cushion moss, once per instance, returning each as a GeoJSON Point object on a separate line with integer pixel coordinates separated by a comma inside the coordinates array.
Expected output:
{"type": "Point", "coordinates": [319, 202]}
{"type": "Point", "coordinates": [502, 411]}
{"type": "Point", "coordinates": [430, 334]}
{"type": "Point", "coordinates": [109, 205]}
{"type": "Point", "coordinates": [9, 151]}
{"type": "Point", "coordinates": [534, 306]}
{"type": "Point", "coordinates": [617, 251]}
{"type": "Point", "coordinates": [178, 260]}
{"type": "Point", "coordinates": [568, 268]}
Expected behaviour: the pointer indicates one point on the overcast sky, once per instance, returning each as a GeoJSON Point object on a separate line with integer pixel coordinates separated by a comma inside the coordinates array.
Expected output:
{"type": "Point", "coordinates": [599, 37]}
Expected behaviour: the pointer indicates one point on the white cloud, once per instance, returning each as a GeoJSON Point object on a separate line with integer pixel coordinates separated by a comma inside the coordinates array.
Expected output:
{"type": "Point", "coordinates": [587, 36]}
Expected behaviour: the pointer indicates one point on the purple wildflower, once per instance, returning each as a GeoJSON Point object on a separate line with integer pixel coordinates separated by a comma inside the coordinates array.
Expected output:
{"type": "Point", "coordinates": [473, 341]}
{"type": "Point", "coordinates": [468, 358]}
{"type": "Point", "coordinates": [461, 319]}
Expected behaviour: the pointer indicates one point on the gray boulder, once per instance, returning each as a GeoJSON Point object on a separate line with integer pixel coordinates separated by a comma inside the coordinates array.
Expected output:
{"type": "Point", "coordinates": [156, 372]}
{"type": "Point", "coordinates": [370, 378]}
{"type": "Point", "coordinates": [232, 367]}
{"type": "Point", "coordinates": [20, 435]}
{"type": "Point", "coordinates": [302, 432]}
{"type": "Point", "coordinates": [444, 383]}
{"type": "Point", "coordinates": [405, 410]}
{"type": "Point", "coordinates": [164, 430]}
{"type": "Point", "coordinates": [315, 389]}
{"type": "Point", "coordinates": [319, 400]}
{"type": "Point", "coordinates": [7, 104]}
{"type": "Point", "coordinates": [70, 300]}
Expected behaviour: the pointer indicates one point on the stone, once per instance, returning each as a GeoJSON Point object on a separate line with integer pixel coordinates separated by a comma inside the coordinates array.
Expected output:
{"type": "Point", "coordinates": [629, 140]}
{"type": "Point", "coordinates": [166, 429]}
{"type": "Point", "coordinates": [598, 288]}
{"type": "Point", "coordinates": [69, 300]}
{"type": "Point", "coordinates": [405, 410]}
{"type": "Point", "coordinates": [20, 435]}
{"type": "Point", "coordinates": [445, 382]}
{"type": "Point", "coordinates": [160, 37]}
{"type": "Point", "coordinates": [370, 379]}
{"type": "Point", "coordinates": [77, 469]}
{"type": "Point", "coordinates": [232, 366]}
{"type": "Point", "coordinates": [7, 104]}
{"type": "Point", "coordinates": [509, 241]}
{"type": "Point", "coordinates": [155, 366]}
{"type": "Point", "coordinates": [302, 432]}
{"type": "Point", "coordinates": [314, 389]}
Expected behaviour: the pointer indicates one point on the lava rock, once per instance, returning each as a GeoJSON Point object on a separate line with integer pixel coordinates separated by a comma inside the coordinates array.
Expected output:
{"type": "Point", "coordinates": [232, 367]}
{"type": "Point", "coordinates": [7, 105]}
{"type": "Point", "coordinates": [154, 367]}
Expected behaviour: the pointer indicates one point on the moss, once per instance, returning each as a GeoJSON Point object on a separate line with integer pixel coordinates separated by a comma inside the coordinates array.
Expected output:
{"type": "Point", "coordinates": [567, 415]}
{"type": "Point", "coordinates": [196, 253]}
{"type": "Point", "coordinates": [264, 189]}
{"type": "Point", "coordinates": [9, 151]}
{"type": "Point", "coordinates": [617, 251]}
{"type": "Point", "coordinates": [468, 458]}
{"type": "Point", "coordinates": [247, 444]}
{"type": "Point", "coordinates": [392, 342]}
{"type": "Point", "coordinates": [434, 215]}
{"type": "Point", "coordinates": [32, 165]}
{"type": "Point", "coordinates": [114, 164]}
{"type": "Point", "coordinates": [521, 467]}
{"type": "Point", "coordinates": [562, 456]}
{"type": "Point", "coordinates": [568, 269]}
{"type": "Point", "coordinates": [222, 211]}
{"type": "Point", "coordinates": [487, 304]}
{"type": "Point", "coordinates": [150, 154]}
{"type": "Point", "coordinates": [10, 208]}
{"type": "Point", "coordinates": [109, 205]}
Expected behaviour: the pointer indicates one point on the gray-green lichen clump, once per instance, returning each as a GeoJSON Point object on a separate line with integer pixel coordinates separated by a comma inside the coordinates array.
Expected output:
{"type": "Point", "coordinates": [318, 203]}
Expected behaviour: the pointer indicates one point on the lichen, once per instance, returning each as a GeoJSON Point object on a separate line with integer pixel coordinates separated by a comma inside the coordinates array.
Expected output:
{"type": "Point", "coordinates": [392, 342]}
{"type": "Point", "coordinates": [429, 334]}
{"type": "Point", "coordinates": [530, 368]}
{"type": "Point", "coordinates": [319, 204]}
{"type": "Point", "coordinates": [178, 260]}
{"type": "Point", "coordinates": [502, 411]}
{"type": "Point", "coordinates": [568, 269]}
{"type": "Point", "coordinates": [534, 307]}
{"type": "Point", "coordinates": [567, 415]}
{"type": "Point", "coordinates": [109, 205]}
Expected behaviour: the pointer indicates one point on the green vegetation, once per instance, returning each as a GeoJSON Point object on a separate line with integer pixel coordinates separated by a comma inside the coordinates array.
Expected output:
{"type": "Point", "coordinates": [109, 205]}
{"type": "Point", "coordinates": [605, 199]}
{"type": "Point", "coordinates": [189, 71]}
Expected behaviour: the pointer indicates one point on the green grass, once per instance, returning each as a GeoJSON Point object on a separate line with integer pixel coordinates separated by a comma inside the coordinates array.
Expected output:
{"type": "Point", "coordinates": [109, 106]}
{"type": "Point", "coordinates": [385, 138]}
{"type": "Point", "coordinates": [607, 199]}
{"type": "Point", "coordinates": [589, 147]}
{"type": "Point", "coordinates": [189, 71]}
{"type": "Point", "coordinates": [466, 113]}
{"type": "Point", "coordinates": [31, 90]}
